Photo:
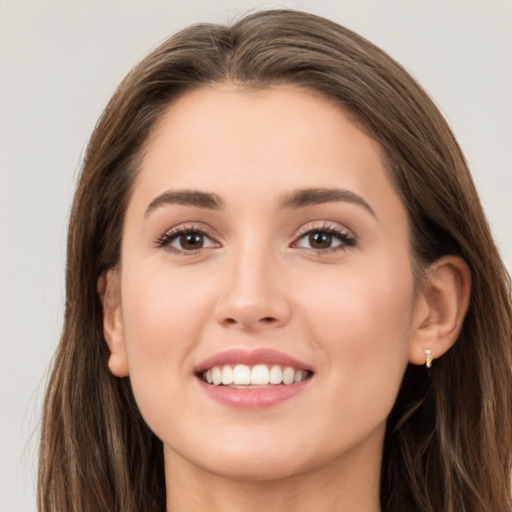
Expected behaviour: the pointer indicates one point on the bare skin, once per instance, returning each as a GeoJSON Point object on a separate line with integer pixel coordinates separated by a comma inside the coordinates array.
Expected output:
{"type": "Point", "coordinates": [265, 220]}
{"type": "Point", "coordinates": [325, 489]}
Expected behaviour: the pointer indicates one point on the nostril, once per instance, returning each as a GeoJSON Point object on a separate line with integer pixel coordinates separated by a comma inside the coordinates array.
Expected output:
{"type": "Point", "coordinates": [249, 321]}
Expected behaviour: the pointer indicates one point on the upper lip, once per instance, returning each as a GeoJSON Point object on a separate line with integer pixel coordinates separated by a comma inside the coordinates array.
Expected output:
{"type": "Point", "coordinates": [251, 358]}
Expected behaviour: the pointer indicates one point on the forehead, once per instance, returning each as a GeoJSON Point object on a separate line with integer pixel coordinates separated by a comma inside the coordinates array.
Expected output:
{"type": "Point", "coordinates": [259, 144]}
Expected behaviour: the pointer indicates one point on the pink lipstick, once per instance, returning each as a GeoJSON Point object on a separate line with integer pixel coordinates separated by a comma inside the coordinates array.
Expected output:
{"type": "Point", "coordinates": [252, 379]}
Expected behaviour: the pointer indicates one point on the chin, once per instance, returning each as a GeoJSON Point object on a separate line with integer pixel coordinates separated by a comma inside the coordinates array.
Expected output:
{"type": "Point", "coordinates": [244, 461]}
{"type": "Point", "coordinates": [264, 469]}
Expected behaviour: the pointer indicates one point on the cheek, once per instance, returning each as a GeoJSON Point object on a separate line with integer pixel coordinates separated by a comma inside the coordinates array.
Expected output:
{"type": "Point", "coordinates": [162, 308]}
{"type": "Point", "coordinates": [357, 300]}
{"type": "Point", "coordinates": [362, 324]}
{"type": "Point", "coordinates": [163, 320]}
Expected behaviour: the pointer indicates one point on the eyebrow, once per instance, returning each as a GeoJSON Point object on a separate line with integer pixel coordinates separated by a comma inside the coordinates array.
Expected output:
{"type": "Point", "coordinates": [187, 198]}
{"type": "Point", "coordinates": [311, 196]}
{"type": "Point", "coordinates": [297, 199]}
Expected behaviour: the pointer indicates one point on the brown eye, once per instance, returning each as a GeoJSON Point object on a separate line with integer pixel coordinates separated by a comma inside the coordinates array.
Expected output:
{"type": "Point", "coordinates": [186, 241]}
{"type": "Point", "coordinates": [320, 240]}
{"type": "Point", "coordinates": [191, 241]}
{"type": "Point", "coordinates": [326, 239]}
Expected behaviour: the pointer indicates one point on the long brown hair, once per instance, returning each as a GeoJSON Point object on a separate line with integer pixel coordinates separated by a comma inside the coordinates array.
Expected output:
{"type": "Point", "coordinates": [448, 444]}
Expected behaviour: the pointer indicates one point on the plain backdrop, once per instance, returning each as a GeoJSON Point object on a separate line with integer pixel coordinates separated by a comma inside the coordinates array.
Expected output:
{"type": "Point", "coordinates": [59, 64]}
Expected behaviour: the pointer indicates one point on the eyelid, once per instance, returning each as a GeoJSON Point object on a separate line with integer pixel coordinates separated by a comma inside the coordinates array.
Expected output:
{"type": "Point", "coordinates": [346, 236]}
{"type": "Point", "coordinates": [165, 239]}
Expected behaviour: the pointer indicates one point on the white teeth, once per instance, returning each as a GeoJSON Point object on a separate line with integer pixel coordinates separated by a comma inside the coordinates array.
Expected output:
{"type": "Point", "coordinates": [258, 375]}
{"type": "Point", "coordinates": [241, 374]}
{"type": "Point", "coordinates": [288, 375]}
{"type": "Point", "coordinates": [300, 375]}
{"type": "Point", "coordinates": [276, 375]}
{"type": "Point", "coordinates": [216, 375]}
{"type": "Point", "coordinates": [227, 375]}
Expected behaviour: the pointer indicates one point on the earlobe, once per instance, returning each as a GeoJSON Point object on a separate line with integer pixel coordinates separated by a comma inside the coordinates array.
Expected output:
{"type": "Point", "coordinates": [109, 292]}
{"type": "Point", "coordinates": [444, 301]}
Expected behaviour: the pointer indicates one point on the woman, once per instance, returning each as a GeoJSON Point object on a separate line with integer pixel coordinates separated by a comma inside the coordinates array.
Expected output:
{"type": "Point", "coordinates": [282, 291]}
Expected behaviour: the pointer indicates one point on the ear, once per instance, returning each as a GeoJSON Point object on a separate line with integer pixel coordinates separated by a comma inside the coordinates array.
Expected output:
{"type": "Point", "coordinates": [110, 295]}
{"type": "Point", "coordinates": [441, 307]}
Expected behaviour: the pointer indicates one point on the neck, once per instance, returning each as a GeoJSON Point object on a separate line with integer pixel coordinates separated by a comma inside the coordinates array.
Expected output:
{"type": "Point", "coordinates": [339, 486]}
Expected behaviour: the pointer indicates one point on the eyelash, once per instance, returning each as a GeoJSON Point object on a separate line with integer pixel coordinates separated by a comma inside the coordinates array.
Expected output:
{"type": "Point", "coordinates": [347, 240]}
{"type": "Point", "coordinates": [168, 237]}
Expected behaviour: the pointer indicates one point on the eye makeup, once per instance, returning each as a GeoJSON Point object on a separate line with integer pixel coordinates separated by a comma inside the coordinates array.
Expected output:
{"type": "Point", "coordinates": [191, 239]}
{"type": "Point", "coordinates": [325, 239]}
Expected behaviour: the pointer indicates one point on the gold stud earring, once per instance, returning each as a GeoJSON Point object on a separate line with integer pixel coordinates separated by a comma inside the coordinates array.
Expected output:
{"type": "Point", "coordinates": [428, 353]}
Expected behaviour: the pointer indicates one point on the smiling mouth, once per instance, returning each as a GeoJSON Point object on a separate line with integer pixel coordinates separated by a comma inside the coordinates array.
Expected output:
{"type": "Point", "coordinates": [252, 377]}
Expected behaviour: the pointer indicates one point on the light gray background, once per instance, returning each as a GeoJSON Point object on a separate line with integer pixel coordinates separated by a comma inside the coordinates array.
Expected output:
{"type": "Point", "coordinates": [60, 62]}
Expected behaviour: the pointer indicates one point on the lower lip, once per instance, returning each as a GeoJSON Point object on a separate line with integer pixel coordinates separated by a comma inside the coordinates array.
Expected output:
{"type": "Point", "coordinates": [255, 398]}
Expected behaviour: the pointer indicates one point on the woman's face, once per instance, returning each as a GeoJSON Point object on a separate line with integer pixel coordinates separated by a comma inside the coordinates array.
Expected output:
{"type": "Point", "coordinates": [264, 238]}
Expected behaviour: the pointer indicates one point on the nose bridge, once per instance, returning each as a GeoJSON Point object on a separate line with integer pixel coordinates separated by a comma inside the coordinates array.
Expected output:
{"type": "Point", "coordinates": [254, 296]}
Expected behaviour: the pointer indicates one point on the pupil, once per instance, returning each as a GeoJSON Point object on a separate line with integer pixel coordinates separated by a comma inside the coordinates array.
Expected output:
{"type": "Point", "coordinates": [320, 240]}
{"type": "Point", "coordinates": [191, 241]}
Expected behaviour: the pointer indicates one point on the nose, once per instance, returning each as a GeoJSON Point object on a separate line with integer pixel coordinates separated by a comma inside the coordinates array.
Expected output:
{"type": "Point", "coordinates": [254, 293]}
